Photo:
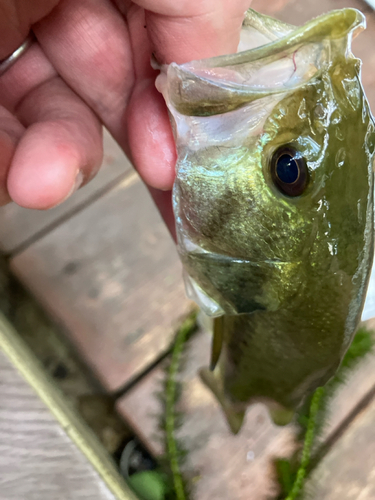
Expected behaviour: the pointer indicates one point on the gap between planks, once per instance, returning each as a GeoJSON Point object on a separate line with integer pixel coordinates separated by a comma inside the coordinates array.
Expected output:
{"type": "Point", "coordinates": [332, 439]}
{"type": "Point", "coordinates": [129, 385]}
{"type": "Point", "coordinates": [127, 178]}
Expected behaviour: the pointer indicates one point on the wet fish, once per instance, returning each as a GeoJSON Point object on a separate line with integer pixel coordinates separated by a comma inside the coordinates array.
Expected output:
{"type": "Point", "coordinates": [274, 205]}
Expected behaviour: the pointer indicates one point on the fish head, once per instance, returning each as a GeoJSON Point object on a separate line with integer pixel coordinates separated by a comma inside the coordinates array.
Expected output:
{"type": "Point", "coordinates": [274, 174]}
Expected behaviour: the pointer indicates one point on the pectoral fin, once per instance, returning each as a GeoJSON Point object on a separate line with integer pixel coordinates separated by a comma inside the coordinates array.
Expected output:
{"type": "Point", "coordinates": [234, 417]}
{"type": "Point", "coordinates": [217, 341]}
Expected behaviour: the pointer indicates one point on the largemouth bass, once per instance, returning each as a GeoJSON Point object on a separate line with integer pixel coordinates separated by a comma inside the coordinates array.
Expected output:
{"type": "Point", "coordinates": [273, 202]}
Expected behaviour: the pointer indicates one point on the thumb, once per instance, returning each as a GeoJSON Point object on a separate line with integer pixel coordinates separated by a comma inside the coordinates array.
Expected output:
{"type": "Point", "coordinates": [195, 29]}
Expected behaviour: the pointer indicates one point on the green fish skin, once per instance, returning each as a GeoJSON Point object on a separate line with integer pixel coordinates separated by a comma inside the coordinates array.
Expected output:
{"type": "Point", "coordinates": [274, 205]}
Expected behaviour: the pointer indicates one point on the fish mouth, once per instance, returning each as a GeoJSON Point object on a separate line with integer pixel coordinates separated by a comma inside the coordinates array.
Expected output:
{"type": "Point", "coordinates": [212, 97]}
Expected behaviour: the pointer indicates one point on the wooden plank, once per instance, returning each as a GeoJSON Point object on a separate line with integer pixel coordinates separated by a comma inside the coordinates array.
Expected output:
{"type": "Point", "coordinates": [19, 225]}
{"type": "Point", "coordinates": [37, 460]}
{"type": "Point", "coordinates": [60, 361]}
{"type": "Point", "coordinates": [112, 277]}
{"type": "Point", "coordinates": [226, 466]}
{"type": "Point", "coordinates": [43, 457]}
{"type": "Point", "coordinates": [348, 470]}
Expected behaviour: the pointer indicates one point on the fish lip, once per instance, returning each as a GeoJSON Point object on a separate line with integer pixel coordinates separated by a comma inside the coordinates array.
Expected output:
{"type": "Point", "coordinates": [294, 38]}
{"type": "Point", "coordinates": [226, 257]}
{"type": "Point", "coordinates": [265, 261]}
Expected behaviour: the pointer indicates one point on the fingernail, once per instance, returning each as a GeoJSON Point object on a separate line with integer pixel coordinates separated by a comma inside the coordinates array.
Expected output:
{"type": "Point", "coordinates": [78, 181]}
{"type": "Point", "coordinates": [77, 184]}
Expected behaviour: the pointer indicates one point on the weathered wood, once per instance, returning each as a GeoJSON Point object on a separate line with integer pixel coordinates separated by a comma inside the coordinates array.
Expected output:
{"type": "Point", "coordinates": [46, 451]}
{"type": "Point", "coordinates": [19, 225]}
{"type": "Point", "coordinates": [348, 470]}
{"type": "Point", "coordinates": [59, 359]}
{"type": "Point", "coordinates": [111, 276]}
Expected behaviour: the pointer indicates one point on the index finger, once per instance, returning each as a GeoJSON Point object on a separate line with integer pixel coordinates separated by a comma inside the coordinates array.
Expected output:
{"type": "Point", "coordinates": [16, 18]}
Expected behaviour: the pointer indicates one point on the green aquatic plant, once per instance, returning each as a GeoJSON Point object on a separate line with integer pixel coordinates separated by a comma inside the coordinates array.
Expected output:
{"type": "Point", "coordinates": [297, 484]}
{"type": "Point", "coordinates": [148, 485]}
{"type": "Point", "coordinates": [174, 451]}
{"type": "Point", "coordinates": [171, 418]}
{"type": "Point", "coordinates": [166, 482]}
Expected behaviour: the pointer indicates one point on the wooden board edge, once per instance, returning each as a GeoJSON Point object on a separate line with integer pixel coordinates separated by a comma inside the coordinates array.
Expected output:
{"type": "Point", "coordinates": [26, 363]}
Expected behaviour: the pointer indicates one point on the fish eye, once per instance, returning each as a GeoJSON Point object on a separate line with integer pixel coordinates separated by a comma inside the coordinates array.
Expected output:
{"type": "Point", "coordinates": [289, 171]}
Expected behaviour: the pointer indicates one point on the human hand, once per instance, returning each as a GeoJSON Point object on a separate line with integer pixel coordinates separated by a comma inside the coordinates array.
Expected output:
{"type": "Point", "coordinates": [91, 66]}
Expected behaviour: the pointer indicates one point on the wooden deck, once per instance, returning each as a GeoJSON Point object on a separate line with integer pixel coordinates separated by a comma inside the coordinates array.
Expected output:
{"type": "Point", "coordinates": [104, 267]}
{"type": "Point", "coordinates": [46, 450]}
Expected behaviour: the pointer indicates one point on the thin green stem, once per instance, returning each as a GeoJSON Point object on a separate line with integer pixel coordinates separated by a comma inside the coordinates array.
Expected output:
{"type": "Point", "coordinates": [171, 396]}
{"type": "Point", "coordinates": [307, 445]}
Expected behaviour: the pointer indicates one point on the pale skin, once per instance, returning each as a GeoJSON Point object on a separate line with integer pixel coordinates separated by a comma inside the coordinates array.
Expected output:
{"type": "Point", "coordinates": [89, 67]}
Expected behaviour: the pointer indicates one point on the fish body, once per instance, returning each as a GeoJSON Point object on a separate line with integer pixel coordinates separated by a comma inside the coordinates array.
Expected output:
{"type": "Point", "coordinates": [273, 202]}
